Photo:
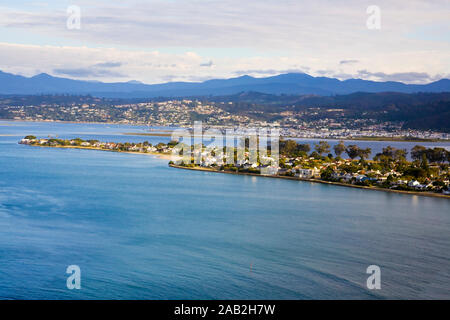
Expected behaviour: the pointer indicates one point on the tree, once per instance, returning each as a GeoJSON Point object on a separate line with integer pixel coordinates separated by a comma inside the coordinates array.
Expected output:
{"type": "Point", "coordinates": [391, 154]}
{"type": "Point", "coordinates": [424, 163]}
{"type": "Point", "coordinates": [400, 154]}
{"type": "Point", "coordinates": [315, 155]}
{"type": "Point", "coordinates": [415, 172]}
{"type": "Point", "coordinates": [364, 153]}
{"type": "Point", "coordinates": [388, 152]}
{"type": "Point", "coordinates": [339, 148]}
{"type": "Point", "coordinates": [327, 173]}
{"type": "Point", "coordinates": [288, 147]}
{"type": "Point", "coordinates": [322, 147]}
{"type": "Point", "coordinates": [417, 152]}
{"type": "Point", "coordinates": [30, 137]}
{"type": "Point", "coordinates": [436, 155]}
{"type": "Point", "coordinates": [304, 147]}
{"type": "Point", "coordinates": [352, 151]}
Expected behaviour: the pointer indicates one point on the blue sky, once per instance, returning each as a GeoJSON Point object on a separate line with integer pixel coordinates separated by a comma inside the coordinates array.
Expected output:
{"type": "Point", "coordinates": [193, 40]}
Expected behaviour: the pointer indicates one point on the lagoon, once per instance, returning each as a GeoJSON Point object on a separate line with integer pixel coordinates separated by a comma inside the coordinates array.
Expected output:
{"type": "Point", "coordinates": [141, 230]}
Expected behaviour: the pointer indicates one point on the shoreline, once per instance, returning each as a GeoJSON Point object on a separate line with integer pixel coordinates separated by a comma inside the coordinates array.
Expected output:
{"type": "Point", "coordinates": [373, 139]}
{"type": "Point", "coordinates": [424, 194]}
{"type": "Point", "coordinates": [369, 139]}
{"type": "Point", "coordinates": [170, 157]}
{"type": "Point", "coordinates": [164, 156]}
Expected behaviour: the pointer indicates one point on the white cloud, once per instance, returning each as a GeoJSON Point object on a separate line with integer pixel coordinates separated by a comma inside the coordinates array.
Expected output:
{"type": "Point", "coordinates": [280, 36]}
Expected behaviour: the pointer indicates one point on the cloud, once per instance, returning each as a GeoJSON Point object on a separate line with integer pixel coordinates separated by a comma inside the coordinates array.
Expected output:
{"type": "Point", "coordinates": [236, 35]}
{"type": "Point", "coordinates": [88, 73]}
{"type": "Point", "coordinates": [98, 70]}
{"type": "Point", "coordinates": [207, 64]}
{"type": "Point", "coordinates": [351, 61]}
{"type": "Point", "coordinates": [108, 64]}
{"type": "Point", "coordinates": [267, 71]}
{"type": "Point", "coordinates": [186, 78]}
{"type": "Point", "coordinates": [231, 23]}
{"type": "Point", "coordinates": [409, 77]}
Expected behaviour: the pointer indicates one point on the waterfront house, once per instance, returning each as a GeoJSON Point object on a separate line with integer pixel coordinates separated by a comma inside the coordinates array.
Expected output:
{"type": "Point", "coordinates": [413, 183]}
{"type": "Point", "coordinates": [307, 173]}
{"type": "Point", "coordinates": [361, 178]}
{"type": "Point", "coordinates": [269, 170]}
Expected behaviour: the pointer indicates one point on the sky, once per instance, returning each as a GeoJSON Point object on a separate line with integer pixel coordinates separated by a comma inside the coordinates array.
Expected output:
{"type": "Point", "coordinates": [157, 41]}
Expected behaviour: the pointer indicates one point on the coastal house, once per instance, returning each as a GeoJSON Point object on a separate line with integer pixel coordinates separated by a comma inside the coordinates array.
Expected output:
{"type": "Point", "coordinates": [362, 178]}
{"type": "Point", "coordinates": [373, 172]}
{"type": "Point", "coordinates": [398, 183]}
{"type": "Point", "coordinates": [348, 177]}
{"type": "Point", "coordinates": [208, 161]}
{"type": "Point", "coordinates": [266, 159]}
{"type": "Point", "coordinates": [337, 175]}
{"type": "Point", "coordinates": [27, 141]}
{"type": "Point", "coordinates": [413, 183]}
{"type": "Point", "coordinates": [269, 170]}
{"type": "Point", "coordinates": [307, 173]}
{"type": "Point", "coordinates": [417, 185]}
{"type": "Point", "coordinates": [134, 148]}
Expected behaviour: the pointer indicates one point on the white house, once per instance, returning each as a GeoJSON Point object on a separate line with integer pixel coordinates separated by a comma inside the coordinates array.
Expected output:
{"type": "Point", "coordinates": [414, 183]}
{"type": "Point", "coordinates": [307, 173]}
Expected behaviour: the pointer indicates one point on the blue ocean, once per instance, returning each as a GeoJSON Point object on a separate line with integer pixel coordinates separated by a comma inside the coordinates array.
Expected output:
{"type": "Point", "coordinates": [139, 229]}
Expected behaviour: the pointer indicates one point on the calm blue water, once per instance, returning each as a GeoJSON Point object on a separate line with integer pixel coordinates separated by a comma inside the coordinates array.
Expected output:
{"type": "Point", "coordinates": [141, 230]}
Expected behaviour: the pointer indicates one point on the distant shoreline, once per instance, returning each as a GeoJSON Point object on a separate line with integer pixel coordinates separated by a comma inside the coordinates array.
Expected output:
{"type": "Point", "coordinates": [150, 134]}
{"type": "Point", "coordinates": [380, 139]}
{"type": "Point", "coordinates": [425, 194]}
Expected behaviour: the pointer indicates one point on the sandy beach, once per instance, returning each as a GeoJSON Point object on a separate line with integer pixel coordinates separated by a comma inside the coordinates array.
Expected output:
{"type": "Point", "coordinates": [165, 156]}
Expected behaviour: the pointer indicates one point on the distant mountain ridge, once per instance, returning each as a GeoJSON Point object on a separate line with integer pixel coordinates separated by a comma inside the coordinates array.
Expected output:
{"type": "Point", "coordinates": [290, 83]}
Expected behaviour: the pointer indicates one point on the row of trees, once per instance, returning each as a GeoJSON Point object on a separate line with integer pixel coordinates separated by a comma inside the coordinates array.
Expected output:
{"type": "Point", "coordinates": [439, 155]}
{"type": "Point", "coordinates": [291, 148]}
{"type": "Point", "coordinates": [353, 151]}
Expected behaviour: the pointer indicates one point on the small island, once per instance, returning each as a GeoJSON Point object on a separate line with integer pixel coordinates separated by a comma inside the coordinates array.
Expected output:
{"type": "Point", "coordinates": [427, 174]}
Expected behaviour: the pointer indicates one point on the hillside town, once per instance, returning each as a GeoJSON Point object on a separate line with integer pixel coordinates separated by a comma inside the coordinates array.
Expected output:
{"type": "Point", "coordinates": [322, 123]}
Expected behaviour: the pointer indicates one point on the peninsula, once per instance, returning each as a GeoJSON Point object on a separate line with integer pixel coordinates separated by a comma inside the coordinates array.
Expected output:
{"type": "Point", "coordinates": [428, 174]}
{"type": "Point", "coordinates": [161, 150]}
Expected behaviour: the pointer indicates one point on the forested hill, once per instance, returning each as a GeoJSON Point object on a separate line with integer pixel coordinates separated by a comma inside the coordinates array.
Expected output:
{"type": "Point", "coordinates": [422, 111]}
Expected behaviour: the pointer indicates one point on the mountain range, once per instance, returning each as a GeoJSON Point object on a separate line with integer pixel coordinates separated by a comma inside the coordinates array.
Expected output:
{"type": "Point", "coordinates": [289, 83]}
